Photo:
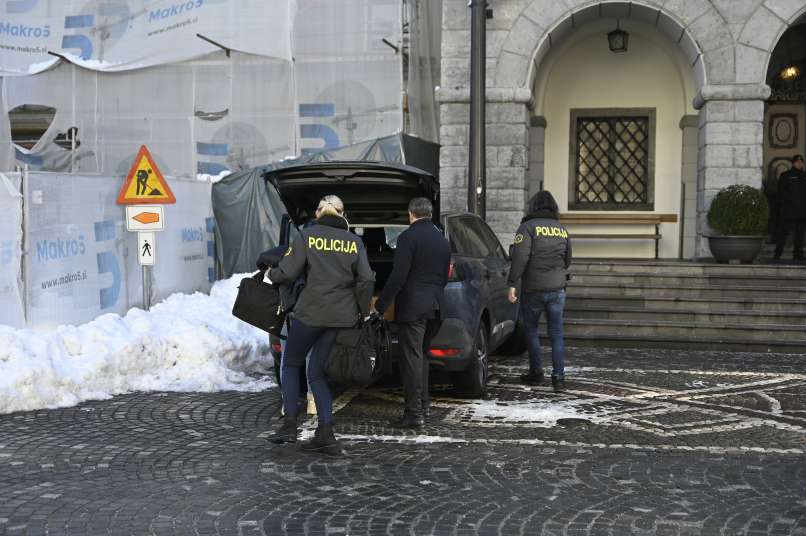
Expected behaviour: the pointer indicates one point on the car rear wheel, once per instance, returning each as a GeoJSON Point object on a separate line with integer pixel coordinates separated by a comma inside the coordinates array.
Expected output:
{"type": "Point", "coordinates": [472, 381]}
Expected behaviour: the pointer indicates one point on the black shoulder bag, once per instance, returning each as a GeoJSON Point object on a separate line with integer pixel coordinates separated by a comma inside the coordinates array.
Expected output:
{"type": "Point", "coordinates": [359, 355]}
{"type": "Point", "coordinates": [258, 304]}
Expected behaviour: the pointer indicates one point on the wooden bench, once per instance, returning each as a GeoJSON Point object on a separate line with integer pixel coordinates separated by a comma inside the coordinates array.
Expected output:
{"type": "Point", "coordinates": [627, 218]}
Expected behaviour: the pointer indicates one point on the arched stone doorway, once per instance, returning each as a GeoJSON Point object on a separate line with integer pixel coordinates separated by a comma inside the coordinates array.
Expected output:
{"type": "Point", "coordinates": [725, 47]}
{"type": "Point", "coordinates": [615, 133]}
{"type": "Point", "coordinates": [785, 112]}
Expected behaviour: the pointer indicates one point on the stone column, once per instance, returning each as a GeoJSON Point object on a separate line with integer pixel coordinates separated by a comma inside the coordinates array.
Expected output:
{"type": "Point", "coordinates": [507, 155]}
{"type": "Point", "coordinates": [730, 145]}
{"type": "Point", "coordinates": [689, 124]}
{"type": "Point", "coordinates": [535, 171]}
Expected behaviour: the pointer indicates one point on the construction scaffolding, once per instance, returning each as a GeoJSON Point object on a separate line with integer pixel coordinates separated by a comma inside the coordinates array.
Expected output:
{"type": "Point", "coordinates": [210, 85]}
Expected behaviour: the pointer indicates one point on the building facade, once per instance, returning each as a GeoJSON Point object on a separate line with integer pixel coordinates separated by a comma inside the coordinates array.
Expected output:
{"type": "Point", "coordinates": [685, 111]}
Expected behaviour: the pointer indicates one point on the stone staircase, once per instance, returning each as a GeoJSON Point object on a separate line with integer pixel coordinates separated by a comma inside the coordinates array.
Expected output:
{"type": "Point", "coordinates": [670, 304]}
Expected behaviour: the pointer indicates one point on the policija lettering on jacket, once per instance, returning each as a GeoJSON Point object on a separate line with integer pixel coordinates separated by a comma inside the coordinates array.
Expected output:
{"type": "Point", "coordinates": [551, 231]}
{"type": "Point", "coordinates": [332, 244]}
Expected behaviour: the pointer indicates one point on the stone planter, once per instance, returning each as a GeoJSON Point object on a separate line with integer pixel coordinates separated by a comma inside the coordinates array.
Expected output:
{"type": "Point", "coordinates": [744, 249]}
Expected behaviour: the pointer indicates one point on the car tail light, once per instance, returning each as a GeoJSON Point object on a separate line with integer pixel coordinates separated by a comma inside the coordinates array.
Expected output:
{"type": "Point", "coordinates": [277, 348]}
{"type": "Point", "coordinates": [453, 272]}
{"type": "Point", "coordinates": [444, 352]}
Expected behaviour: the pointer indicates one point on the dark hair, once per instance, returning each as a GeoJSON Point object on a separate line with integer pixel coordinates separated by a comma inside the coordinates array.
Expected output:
{"type": "Point", "coordinates": [421, 207]}
{"type": "Point", "coordinates": [796, 158]}
{"type": "Point", "coordinates": [545, 201]}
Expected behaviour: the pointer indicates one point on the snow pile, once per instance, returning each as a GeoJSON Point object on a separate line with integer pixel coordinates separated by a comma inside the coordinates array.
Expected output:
{"type": "Point", "coordinates": [186, 343]}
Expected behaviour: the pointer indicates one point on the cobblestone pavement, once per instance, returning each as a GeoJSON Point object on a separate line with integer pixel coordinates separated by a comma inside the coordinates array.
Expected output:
{"type": "Point", "coordinates": [644, 442]}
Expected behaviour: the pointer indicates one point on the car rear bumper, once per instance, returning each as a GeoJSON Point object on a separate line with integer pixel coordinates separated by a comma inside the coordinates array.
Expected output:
{"type": "Point", "coordinates": [451, 335]}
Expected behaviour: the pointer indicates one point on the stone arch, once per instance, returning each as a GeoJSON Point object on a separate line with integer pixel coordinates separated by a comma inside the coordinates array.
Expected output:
{"type": "Point", "coordinates": [784, 16]}
{"type": "Point", "coordinates": [698, 30]}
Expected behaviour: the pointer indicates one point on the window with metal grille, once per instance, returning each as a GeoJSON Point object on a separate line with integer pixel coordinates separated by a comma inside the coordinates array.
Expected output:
{"type": "Point", "coordinates": [612, 160]}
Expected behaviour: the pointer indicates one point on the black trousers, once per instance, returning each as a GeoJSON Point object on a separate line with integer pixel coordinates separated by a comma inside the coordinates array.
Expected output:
{"type": "Point", "coordinates": [415, 338]}
{"type": "Point", "coordinates": [785, 227]}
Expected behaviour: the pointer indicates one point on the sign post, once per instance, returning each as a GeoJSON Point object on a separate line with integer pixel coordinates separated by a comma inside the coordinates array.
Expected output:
{"type": "Point", "coordinates": [145, 254]}
{"type": "Point", "coordinates": [145, 191]}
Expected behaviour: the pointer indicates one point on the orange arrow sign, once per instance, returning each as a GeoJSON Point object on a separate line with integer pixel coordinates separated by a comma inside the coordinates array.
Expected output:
{"type": "Point", "coordinates": [147, 217]}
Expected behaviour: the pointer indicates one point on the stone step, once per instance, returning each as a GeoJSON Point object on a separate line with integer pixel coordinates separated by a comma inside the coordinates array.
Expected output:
{"type": "Point", "coordinates": [651, 279]}
{"type": "Point", "coordinates": [691, 291]}
{"type": "Point", "coordinates": [610, 340]}
{"type": "Point", "coordinates": [783, 271]}
{"type": "Point", "coordinates": [675, 303]}
{"type": "Point", "coordinates": [686, 330]}
{"type": "Point", "coordinates": [629, 314]}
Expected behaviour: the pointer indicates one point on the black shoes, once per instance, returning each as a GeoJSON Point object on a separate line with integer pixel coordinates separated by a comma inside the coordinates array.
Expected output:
{"type": "Point", "coordinates": [407, 421]}
{"type": "Point", "coordinates": [323, 441]}
{"type": "Point", "coordinates": [287, 432]}
{"type": "Point", "coordinates": [534, 377]}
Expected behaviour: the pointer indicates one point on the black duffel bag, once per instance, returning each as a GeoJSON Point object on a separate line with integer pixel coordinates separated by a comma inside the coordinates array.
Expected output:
{"type": "Point", "coordinates": [258, 304]}
{"type": "Point", "coordinates": [359, 354]}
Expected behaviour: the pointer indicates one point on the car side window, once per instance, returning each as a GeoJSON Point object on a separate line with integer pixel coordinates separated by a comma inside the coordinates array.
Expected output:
{"type": "Point", "coordinates": [490, 238]}
{"type": "Point", "coordinates": [477, 242]}
{"type": "Point", "coordinates": [461, 242]}
{"type": "Point", "coordinates": [456, 237]}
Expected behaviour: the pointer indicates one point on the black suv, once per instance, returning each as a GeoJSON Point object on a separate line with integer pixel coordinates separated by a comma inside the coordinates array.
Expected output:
{"type": "Point", "coordinates": [478, 319]}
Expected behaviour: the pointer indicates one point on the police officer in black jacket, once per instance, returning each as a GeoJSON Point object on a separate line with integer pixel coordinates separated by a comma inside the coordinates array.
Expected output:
{"type": "Point", "coordinates": [792, 208]}
{"type": "Point", "coordinates": [541, 257]}
{"type": "Point", "coordinates": [417, 286]}
{"type": "Point", "coordinates": [337, 294]}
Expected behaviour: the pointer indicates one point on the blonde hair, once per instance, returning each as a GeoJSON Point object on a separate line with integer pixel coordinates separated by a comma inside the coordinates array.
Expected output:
{"type": "Point", "coordinates": [330, 205]}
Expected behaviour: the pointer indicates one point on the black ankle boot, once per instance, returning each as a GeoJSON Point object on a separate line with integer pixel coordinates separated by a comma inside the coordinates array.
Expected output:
{"type": "Point", "coordinates": [534, 377]}
{"type": "Point", "coordinates": [287, 432]}
{"type": "Point", "coordinates": [323, 441]}
{"type": "Point", "coordinates": [408, 421]}
{"type": "Point", "coordinates": [558, 383]}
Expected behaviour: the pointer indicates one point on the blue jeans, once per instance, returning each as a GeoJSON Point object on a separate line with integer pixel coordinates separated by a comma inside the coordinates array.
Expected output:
{"type": "Point", "coordinates": [301, 340]}
{"type": "Point", "coordinates": [533, 304]}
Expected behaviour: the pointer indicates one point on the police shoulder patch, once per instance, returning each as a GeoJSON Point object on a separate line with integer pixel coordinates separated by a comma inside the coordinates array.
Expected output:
{"type": "Point", "coordinates": [518, 238]}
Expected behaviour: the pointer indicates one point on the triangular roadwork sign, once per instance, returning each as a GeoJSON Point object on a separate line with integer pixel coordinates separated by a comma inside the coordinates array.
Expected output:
{"type": "Point", "coordinates": [145, 184]}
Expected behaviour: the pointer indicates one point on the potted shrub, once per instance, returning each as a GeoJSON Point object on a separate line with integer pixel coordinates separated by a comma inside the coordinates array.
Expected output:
{"type": "Point", "coordinates": [739, 215]}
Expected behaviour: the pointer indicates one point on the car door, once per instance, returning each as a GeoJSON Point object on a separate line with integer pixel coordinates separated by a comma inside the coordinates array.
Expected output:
{"type": "Point", "coordinates": [468, 260]}
{"type": "Point", "coordinates": [496, 270]}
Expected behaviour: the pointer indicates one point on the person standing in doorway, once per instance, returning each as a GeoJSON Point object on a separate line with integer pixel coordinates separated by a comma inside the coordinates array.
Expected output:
{"type": "Point", "coordinates": [417, 286]}
{"type": "Point", "coordinates": [792, 208]}
{"type": "Point", "coordinates": [541, 257]}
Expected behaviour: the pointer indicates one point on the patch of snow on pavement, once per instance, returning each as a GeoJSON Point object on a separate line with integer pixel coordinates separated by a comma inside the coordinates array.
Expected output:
{"type": "Point", "coordinates": [538, 413]}
{"type": "Point", "coordinates": [185, 343]}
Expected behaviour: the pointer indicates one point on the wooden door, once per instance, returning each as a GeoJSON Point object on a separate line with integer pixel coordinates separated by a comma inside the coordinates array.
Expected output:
{"type": "Point", "coordinates": [784, 137]}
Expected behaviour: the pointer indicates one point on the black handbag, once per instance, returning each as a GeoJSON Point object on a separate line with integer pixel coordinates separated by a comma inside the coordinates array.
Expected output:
{"type": "Point", "coordinates": [359, 355]}
{"type": "Point", "coordinates": [258, 304]}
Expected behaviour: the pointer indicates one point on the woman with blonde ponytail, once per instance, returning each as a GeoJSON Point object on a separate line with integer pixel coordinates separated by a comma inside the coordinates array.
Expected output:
{"type": "Point", "coordinates": [337, 294]}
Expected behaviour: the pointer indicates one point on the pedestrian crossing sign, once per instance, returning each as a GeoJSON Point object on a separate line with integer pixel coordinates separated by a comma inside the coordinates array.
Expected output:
{"type": "Point", "coordinates": [145, 184]}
